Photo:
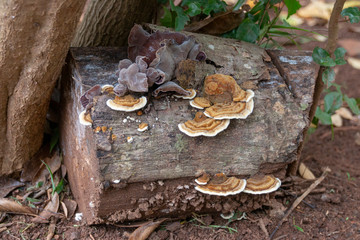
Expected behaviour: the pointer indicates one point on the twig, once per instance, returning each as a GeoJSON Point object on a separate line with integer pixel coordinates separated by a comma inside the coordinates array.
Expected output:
{"type": "Point", "coordinates": [345, 128]}
{"type": "Point", "coordinates": [299, 200]}
{"type": "Point", "coordinates": [263, 228]}
{"type": "Point", "coordinates": [319, 84]}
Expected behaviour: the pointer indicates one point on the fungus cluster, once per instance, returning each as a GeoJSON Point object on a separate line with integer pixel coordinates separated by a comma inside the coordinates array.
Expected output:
{"type": "Point", "coordinates": [152, 62]}
{"type": "Point", "coordinates": [221, 185]}
{"type": "Point", "coordinates": [223, 99]}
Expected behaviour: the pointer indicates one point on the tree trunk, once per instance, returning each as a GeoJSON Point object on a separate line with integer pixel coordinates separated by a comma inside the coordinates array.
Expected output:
{"type": "Point", "coordinates": [108, 23]}
{"type": "Point", "coordinates": [34, 39]}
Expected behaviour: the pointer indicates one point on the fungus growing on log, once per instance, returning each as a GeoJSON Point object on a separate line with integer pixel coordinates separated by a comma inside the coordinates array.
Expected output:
{"type": "Point", "coordinates": [107, 88]}
{"type": "Point", "coordinates": [203, 180]}
{"type": "Point", "coordinates": [85, 118]}
{"type": "Point", "coordinates": [262, 185]}
{"type": "Point", "coordinates": [191, 96]}
{"type": "Point", "coordinates": [200, 103]}
{"type": "Point", "coordinates": [203, 126]}
{"type": "Point", "coordinates": [233, 110]}
{"type": "Point", "coordinates": [171, 87]}
{"type": "Point", "coordinates": [143, 127]}
{"type": "Point", "coordinates": [220, 185]}
{"type": "Point", "coordinates": [126, 103]}
{"type": "Point", "coordinates": [87, 98]}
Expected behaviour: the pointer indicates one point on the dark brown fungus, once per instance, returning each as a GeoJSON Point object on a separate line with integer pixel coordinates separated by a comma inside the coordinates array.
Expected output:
{"type": "Point", "coordinates": [170, 87]}
{"type": "Point", "coordinates": [86, 99]}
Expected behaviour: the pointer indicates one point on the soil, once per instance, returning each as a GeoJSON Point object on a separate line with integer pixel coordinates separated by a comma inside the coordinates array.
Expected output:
{"type": "Point", "coordinates": [331, 211]}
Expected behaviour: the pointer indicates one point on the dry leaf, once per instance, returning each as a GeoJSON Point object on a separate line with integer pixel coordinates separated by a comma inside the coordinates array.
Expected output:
{"type": "Point", "coordinates": [10, 206]}
{"type": "Point", "coordinates": [352, 46]}
{"type": "Point", "coordinates": [32, 166]}
{"type": "Point", "coordinates": [51, 230]}
{"type": "Point", "coordinates": [345, 113]}
{"type": "Point", "coordinates": [7, 185]}
{"type": "Point", "coordinates": [219, 24]}
{"type": "Point", "coordinates": [336, 120]}
{"type": "Point", "coordinates": [50, 209]}
{"type": "Point", "coordinates": [64, 209]}
{"type": "Point", "coordinates": [144, 231]}
{"type": "Point", "coordinates": [71, 206]}
{"type": "Point", "coordinates": [354, 29]}
{"type": "Point", "coordinates": [354, 62]}
{"type": "Point", "coordinates": [305, 172]}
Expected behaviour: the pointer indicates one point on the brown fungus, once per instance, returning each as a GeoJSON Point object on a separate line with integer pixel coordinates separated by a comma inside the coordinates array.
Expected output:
{"type": "Point", "coordinates": [189, 96]}
{"type": "Point", "coordinates": [85, 118]}
{"type": "Point", "coordinates": [87, 98]}
{"type": "Point", "coordinates": [200, 103]}
{"type": "Point", "coordinates": [233, 110]}
{"type": "Point", "coordinates": [203, 126]}
{"type": "Point", "coordinates": [170, 87]}
{"type": "Point", "coordinates": [126, 103]}
{"type": "Point", "coordinates": [262, 185]}
{"type": "Point", "coordinates": [220, 185]}
{"type": "Point", "coordinates": [203, 180]}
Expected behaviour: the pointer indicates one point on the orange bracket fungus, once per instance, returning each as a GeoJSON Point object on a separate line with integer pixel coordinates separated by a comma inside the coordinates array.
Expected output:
{"type": "Point", "coordinates": [143, 127]}
{"type": "Point", "coordinates": [220, 185]}
{"type": "Point", "coordinates": [203, 126]}
{"type": "Point", "coordinates": [200, 103]}
{"type": "Point", "coordinates": [262, 185]}
{"type": "Point", "coordinates": [203, 180]}
{"type": "Point", "coordinates": [126, 103]}
{"type": "Point", "coordinates": [85, 119]}
{"type": "Point", "coordinates": [233, 110]}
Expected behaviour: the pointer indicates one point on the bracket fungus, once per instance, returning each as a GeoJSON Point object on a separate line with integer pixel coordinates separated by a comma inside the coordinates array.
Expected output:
{"type": "Point", "coordinates": [87, 98]}
{"type": "Point", "coordinates": [220, 185]}
{"type": "Point", "coordinates": [126, 103]}
{"type": "Point", "coordinates": [85, 118]}
{"type": "Point", "coordinates": [190, 96]}
{"type": "Point", "coordinates": [200, 103]}
{"type": "Point", "coordinates": [171, 87]}
{"type": "Point", "coordinates": [262, 185]}
{"type": "Point", "coordinates": [203, 126]}
{"type": "Point", "coordinates": [143, 127]}
{"type": "Point", "coordinates": [203, 180]}
{"type": "Point", "coordinates": [233, 110]}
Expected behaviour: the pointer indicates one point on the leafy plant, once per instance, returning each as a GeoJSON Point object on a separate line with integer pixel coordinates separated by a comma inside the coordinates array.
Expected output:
{"type": "Point", "coordinates": [55, 188]}
{"type": "Point", "coordinates": [353, 13]}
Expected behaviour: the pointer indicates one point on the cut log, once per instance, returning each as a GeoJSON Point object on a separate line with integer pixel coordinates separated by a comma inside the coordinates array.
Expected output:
{"type": "Point", "coordinates": [153, 176]}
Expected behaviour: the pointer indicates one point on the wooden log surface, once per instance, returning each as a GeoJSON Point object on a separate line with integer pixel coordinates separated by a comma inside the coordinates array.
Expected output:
{"type": "Point", "coordinates": [126, 181]}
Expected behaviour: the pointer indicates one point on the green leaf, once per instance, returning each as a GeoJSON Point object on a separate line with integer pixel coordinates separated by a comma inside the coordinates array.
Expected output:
{"type": "Point", "coordinates": [214, 6]}
{"type": "Point", "coordinates": [339, 56]}
{"type": "Point", "coordinates": [352, 104]}
{"type": "Point", "coordinates": [181, 18]}
{"type": "Point", "coordinates": [248, 31]}
{"type": "Point", "coordinates": [51, 177]}
{"type": "Point", "coordinates": [168, 19]}
{"type": "Point", "coordinates": [324, 117]}
{"type": "Point", "coordinates": [194, 9]}
{"type": "Point", "coordinates": [239, 4]}
{"type": "Point", "coordinates": [353, 13]}
{"type": "Point", "coordinates": [33, 200]}
{"type": "Point", "coordinates": [273, 2]}
{"type": "Point", "coordinates": [293, 6]}
{"type": "Point", "coordinates": [332, 102]}
{"type": "Point", "coordinates": [328, 76]}
{"type": "Point", "coordinates": [322, 57]}
{"type": "Point", "coordinates": [60, 187]}
{"type": "Point", "coordinates": [299, 228]}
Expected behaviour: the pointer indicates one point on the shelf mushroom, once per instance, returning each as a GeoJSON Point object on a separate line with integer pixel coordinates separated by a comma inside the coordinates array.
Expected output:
{"type": "Point", "coordinates": [220, 185]}
{"type": "Point", "coordinates": [127, 103]}
{"type": "Point", "coordinates": [200, 103]}
{"type": "Point", "coordinates": [203, 179]}
{"type": "Point", "coordinates": [203, 126]}
{"type": "Point", "coordinates": [262, 185]}
{"type": "Point", "coordinates": [233, 110]}
{"type": "Point", "coordinates": [85, 118]}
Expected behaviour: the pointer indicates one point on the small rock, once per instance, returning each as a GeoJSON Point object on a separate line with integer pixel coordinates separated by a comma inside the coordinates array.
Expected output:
{"type": "Point", "coordinates": [173, 226]}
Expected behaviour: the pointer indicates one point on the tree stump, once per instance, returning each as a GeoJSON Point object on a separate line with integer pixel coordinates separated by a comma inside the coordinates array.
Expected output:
{"type": "Point", "coordinates": [153, 176]}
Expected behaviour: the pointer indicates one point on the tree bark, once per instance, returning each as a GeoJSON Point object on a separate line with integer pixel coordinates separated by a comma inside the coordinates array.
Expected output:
{"type": "Point", "coordinates": [34, 39]}
{"type": "Point", "coordinates": [108, 23]}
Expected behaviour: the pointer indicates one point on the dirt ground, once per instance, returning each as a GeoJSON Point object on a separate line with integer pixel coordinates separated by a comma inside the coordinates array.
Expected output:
{"type": "Point", "coordinates": [331, 211]}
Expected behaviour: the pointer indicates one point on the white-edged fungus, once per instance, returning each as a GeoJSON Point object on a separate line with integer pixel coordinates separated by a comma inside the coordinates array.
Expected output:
{"type": "Point", "coordinates": [203, 180]}
{"type": "Point", "coordinates": [227, 216]}
{"type": "Point", "coordinates": [85, 118]}
{"type": "Point", "coordinates": [262, 185]}
{"type": "Point", "coordinates": [221, 185]}
{"type": "Point", "coordinates": [200, 103]}
{"type": "Point", "coordinates": [143, 127]}
{"type": "Point", "coordinates": [107, 88]}
{"type": "Point", "coordinates": [191, 96]}
{"type": "Point", "coordinates": [126, 103]}
{"type": "Point", "coordinates": [234, 110]}
{"type": "Point", "coordinates": [203, 126]}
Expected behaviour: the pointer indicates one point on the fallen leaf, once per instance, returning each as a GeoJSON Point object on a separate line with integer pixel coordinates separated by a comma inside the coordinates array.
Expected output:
{"type": "Point", "coordinates": [352, 46]}
{"type": "Point", "coordinates": [320, 38]}
{"type": "Point", "coordinates": [357, 138]}
{"type": "Point", "coordinates": [305, 172]}
{"type": "Point", "coordinates": [63, 206]}
{"type": "Point", "coordinates": [51, 230]}
{"type": "Point", "coordinates": [345, 113]}
{"type": "Point", "coordinates": [354, 29]}
{"type": "Point", "coordinates": [10, 206]}
{"type": "Point", "coordinates": [71, 206]}
{"type": "Point", "coordinates": [7, 185]}
{"type": "Point", "coordinates": [63, 171]}
{"type": "Point", "coordinates": [50, 209]}
{"type": "Point", "coordinates": [278, 209]}
{"type": "Point", "coordinates": [219, 24]}
{"type": "Point", "coordinates": [354, 62]}
{"type": "Point", "coordinates": [336, 120]}
{"type": "Point", "coordinates": [144, 231]}
{"type": "Point", "coordinates": [32, 166]}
